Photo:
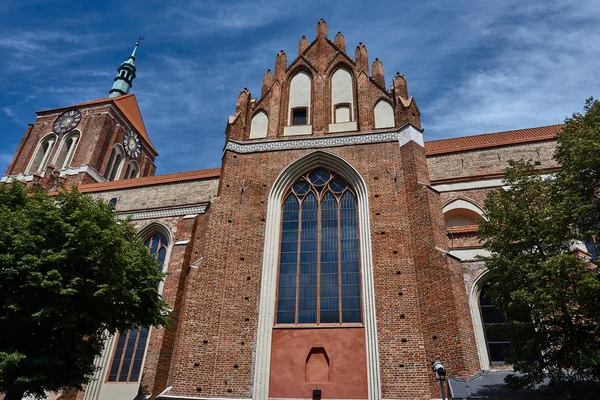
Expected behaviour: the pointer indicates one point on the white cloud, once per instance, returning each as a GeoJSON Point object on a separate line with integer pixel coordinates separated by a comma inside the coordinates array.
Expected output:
{"type": "Point", "coordinates": [472, 66]}
{"type": "Point", "coordinates": [540, 72]}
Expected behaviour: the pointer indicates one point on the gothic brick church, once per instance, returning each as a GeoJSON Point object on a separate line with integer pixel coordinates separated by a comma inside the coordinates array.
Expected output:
{"type": "Point", "coordinates": [330, 256]}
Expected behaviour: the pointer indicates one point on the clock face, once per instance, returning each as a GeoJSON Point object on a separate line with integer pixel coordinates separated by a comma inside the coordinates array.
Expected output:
{"type": "Point", "coordinates": [66, 121]}
{"type": "Point", "coordinates": [132, 144]}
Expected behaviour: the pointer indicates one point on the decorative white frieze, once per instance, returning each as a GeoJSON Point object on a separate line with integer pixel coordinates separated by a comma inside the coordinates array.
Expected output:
{"type": "Point", "coordinates": [311, 143]}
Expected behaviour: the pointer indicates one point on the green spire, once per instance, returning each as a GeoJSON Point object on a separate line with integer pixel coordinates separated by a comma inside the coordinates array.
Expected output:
{"type": "Point", "coordinates": [125, 74]}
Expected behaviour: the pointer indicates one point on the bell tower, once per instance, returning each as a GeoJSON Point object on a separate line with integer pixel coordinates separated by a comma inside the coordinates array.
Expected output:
{"type": "Point", "coordinates": [96, 141]}
{"type": "Point", "coordinates": [125, 74]}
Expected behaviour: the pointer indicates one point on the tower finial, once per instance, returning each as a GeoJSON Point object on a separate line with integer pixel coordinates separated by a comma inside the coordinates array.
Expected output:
{"type": "Point", "coordinates": [132, 56]}
{"type": "Point", "coordinates": [125, 74]}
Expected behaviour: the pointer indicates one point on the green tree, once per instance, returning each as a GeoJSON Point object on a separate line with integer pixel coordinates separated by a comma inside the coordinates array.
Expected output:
{"type": "Point", "coordinates": [550, 295]}
{"type": "Point", "coordinates": [70, 273]}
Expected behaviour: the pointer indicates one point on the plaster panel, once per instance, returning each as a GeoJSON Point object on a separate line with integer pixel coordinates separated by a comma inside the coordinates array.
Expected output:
{"type": "Point", "coordinates": [300, 88]}
{"type": "Point", "coordinates": [341, 92]}
{"type": "Point", "coordinates": [384, 115]}
{"type": "Point", "coordinates": [345, 349]}
{"type": "Point", "coordinates": [259, 125]}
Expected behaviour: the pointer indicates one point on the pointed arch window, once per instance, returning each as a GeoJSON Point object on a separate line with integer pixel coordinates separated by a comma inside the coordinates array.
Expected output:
{"type": "Point", "coordinates": [42, 154]}
{"type": "Point", "coordinates": [157, 244]}
{"type": "Point", "coordinates": [67, 150]}
{"type": "Point", "coordinates": [492, 316]}
{"type": "Point", "coordinates": [130, 347]}
{"type": "Point", "coordinates": [319, 268]}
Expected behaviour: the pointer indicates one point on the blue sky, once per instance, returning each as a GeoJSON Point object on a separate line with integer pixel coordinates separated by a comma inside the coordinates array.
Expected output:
{"type": "Point", "coordinates": [472, 66]}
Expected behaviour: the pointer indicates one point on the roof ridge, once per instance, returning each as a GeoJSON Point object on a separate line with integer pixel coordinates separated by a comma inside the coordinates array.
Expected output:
{"type": "Point", "coordinates": [488, 134]}
{"type": "Point", "coordinates": [486, 140]}
{"type": "Point", "coordinates": [151, 180]}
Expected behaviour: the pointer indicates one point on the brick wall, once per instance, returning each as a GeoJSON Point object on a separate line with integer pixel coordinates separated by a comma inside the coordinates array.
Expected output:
{"type": "Point", "coordinates": [220, 305]}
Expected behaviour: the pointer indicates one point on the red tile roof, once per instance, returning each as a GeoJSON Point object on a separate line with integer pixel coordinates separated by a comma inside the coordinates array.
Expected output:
{"type": "Point", "coordinates": [151, 180]}
{"type": "Point", "coordinates": [463, 229]}
{"type": "Point", "coordinates": [465, 143]}
{"type": "Point", "coordinates": [128, 105]}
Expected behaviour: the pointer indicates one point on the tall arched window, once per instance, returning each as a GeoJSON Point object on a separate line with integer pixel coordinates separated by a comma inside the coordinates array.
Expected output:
{"type": "Point", "coordinates": [42, 154]}
{"type": "Point", "coordinates": [130, 347]}
{"type": "Point", "coordinates": [319, 268]}
{"type": "Point", "coordinates": [67, 150]}
{"type": "Point", "coordinates": [115, 163]}
{"type": "Point", "coordinates": [490, 317]}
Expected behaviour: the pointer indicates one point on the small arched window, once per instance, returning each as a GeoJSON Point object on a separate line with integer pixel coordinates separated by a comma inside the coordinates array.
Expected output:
{"type": "Point", "coordinates": [492, 316]}
{"type": "Point", "coordinates": [319, 268]}
{"type": "Point", "coordinates": [67, 150]}
{"type": "Point", "coordinates": [115, 163]}
{"type": "Point", "coordinates": [384, 115]}
{"type": "Point", "coordinates": [132, 171]}
{"type": "Point", "coordinates": [42, 154]}
{"type": "Point", "coordinates": [130, 347]}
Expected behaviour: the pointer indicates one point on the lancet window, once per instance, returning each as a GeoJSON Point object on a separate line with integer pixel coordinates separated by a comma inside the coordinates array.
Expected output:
{"type": "Point", "coordinates": [128, 355]}
{"type": "Point", "coordinates": [492, 316]}
{"type": "Point", "coordinates": [319, 267]}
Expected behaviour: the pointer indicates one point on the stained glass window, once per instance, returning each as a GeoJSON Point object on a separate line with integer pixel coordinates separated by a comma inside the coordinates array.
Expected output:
{"type": "Point", "coordinates": [128, 354]}
{"type": "Point", "coordinates": [319, 268]}
{"type": "Point", "coordinates": [491, 316]}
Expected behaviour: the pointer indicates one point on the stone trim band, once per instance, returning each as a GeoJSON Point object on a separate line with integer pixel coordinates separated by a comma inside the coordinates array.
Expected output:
{"type": "Point", "coordinates": [161, 213]}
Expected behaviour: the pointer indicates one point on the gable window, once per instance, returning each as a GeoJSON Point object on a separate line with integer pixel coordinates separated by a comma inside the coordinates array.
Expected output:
{"type": "Point", "coordinates": [130, 347]}
{"type": "Point", "coordinates": [319, 268]}
{"type": "Point", "coordinates": [299, 116]}
{"type": "Point", "coordinates": [490, 317]}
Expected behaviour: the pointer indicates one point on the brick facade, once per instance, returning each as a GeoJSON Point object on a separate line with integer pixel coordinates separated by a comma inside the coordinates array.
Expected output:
{"type": "Point", "coordinates": [218, 223]}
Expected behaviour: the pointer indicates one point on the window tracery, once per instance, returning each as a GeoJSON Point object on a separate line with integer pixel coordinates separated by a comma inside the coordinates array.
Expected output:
{"type": "Point", "coordinates": [319, 268]}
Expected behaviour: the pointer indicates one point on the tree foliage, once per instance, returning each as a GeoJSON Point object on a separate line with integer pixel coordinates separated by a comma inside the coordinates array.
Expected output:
{"type": "Point", "coordinates": [70, 273]}
{"type": "Point", "coordinates": [549, 293]}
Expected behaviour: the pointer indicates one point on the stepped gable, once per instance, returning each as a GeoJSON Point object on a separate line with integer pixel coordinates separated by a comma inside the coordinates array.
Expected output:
{"type": "Point", "coordinates": [320, 60]}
